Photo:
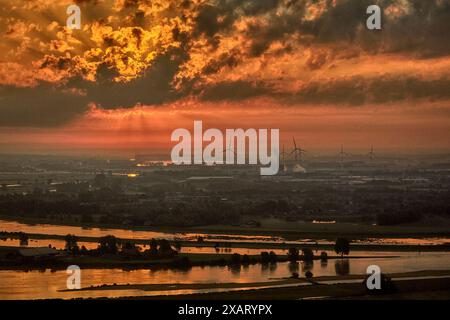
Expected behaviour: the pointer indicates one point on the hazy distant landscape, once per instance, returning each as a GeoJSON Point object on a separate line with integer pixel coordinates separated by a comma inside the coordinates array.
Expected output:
{"type": "Point", "coordinates": [107, 215]}
{"type": "Point", "coordinates": [387, 192]}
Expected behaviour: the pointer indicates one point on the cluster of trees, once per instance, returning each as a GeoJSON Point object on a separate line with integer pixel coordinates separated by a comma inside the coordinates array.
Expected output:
{"type": "Point", "coordinates": [111, 245]}
{"type": "Point", "coordinates": [306, 254]}
{"type": "Point", "coordinates": [22, 236]}
{"type": "Point", "coordinates": [115, 209]}
{"type": "Point", "coordinates": [268, 257]}
{"type": "Point", "coordinates": [342, 246]}
{"type": "Point", "coordinates": [399, 207]}
{"type": "Point", "coordinates": [33, 206]}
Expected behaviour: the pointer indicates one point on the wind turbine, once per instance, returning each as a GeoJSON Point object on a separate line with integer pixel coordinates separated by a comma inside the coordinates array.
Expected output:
{"type": "Point", "coordinates": [283, 155]}
{"type": "Point", "coordinates": [229, 149]}
{"type": "Point", "coordinates": [371, 154]}
{"type": "Point", "coordinates": [297, 151]}
{"type": "Point", "coordinates": [342, 154]}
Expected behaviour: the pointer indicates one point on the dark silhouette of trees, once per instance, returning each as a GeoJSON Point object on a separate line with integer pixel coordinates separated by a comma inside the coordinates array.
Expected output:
{"type": "Point", "coordinates": [293, 254]}
{"type": "Point", "coordinates": [265, 258]}
{"type": "Point", "coordinates": [71, 243]}
{"type": "Point", "coordinates": [23, 238]}
{"type": "Point", "coordinates": [245, 259]}
{"type": "Point", "coordinates": [177, 245]}
{"type": "Point", "coordinates": [108, 244]}
{"type": "Point", "coordinates": [342, 246]}
{"type": "Point", "coordinates": [273, 256]}
{"type": "Point", "coordinates": [153, 247]}
{"type": "Point", "coordinates": [165, 248]}
{"type": "Point", "coordinates": [235, 259]}
{"type": "Point", "coordinates": [130, 249]}
{"type": "Point", "coordinates": [307, 254]}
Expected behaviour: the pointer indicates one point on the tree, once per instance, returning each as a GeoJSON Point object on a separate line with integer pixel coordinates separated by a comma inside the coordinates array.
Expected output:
{"type": "Point", "coordinates": [108, 244]}
{"type": "Point", "coordinates": [23, 237]}
{"type": "Point", "coordinates": [153, 247]}
{"type": "Point", "coordinates": [273, 256]}
{"type": "Point", "coordinates": [177, 245]}
{"type": "Point", "coordinates": [165, 248]}
{"type": "Point", "coordinates": [71, 242]}
{"type": "Point", "coordinates": [265, 257]}
{"type": "Point", "coordinates": [235, 259]}
{"type": "Point", "coordinates": [293, 254]}
{"type": "Point", "coordinates": [307, 254]}
{"type": "Point", "coordinates": [342, 246]}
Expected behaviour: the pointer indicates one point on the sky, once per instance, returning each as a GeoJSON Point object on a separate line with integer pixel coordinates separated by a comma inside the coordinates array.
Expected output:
{"type": "Point", "coordinates": [139, 69]}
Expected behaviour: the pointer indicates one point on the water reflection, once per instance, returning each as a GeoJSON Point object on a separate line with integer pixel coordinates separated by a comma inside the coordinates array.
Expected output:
{"type": "Point", "coordinates": [235, 269]}
{"type": "Point", "coordinates": [307, 266]}
{"type": "Point", "coordinates": [13, 226]}
{"type": "Point", "coordinates": [342, 267]}
{"type": "Point", "coordinates": [46, 283]}
{"type": "Point", "coordinates": [293, 267]}
{"type": "Point", "coordinates": [272, 267]}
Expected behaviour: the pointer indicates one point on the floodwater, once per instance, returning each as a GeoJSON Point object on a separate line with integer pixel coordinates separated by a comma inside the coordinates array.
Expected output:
{"type": "Point", "coordinates": [44, 284]}
{"type": "Point", "coordinates": [14, 226]}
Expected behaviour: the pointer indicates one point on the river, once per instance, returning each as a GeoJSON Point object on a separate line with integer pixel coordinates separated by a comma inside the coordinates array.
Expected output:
{"type": "Point", "coordinates": [44, 284]}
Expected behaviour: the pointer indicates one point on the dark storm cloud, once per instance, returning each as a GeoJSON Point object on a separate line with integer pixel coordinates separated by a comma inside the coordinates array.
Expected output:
{"type": "Point", "coordinates": [39, 106]}
{"type": "Point", "coordinates": [235, 91]}
{"type": "Point", "coordinates": [153, 88]}
{"type": "Point", "coordinates": [359, 91]}
{"type": "Point", "coordinates": [48, 105]}
{"type": "Point", "coordinates": [354, 91]}
{"type": "Point", "coordinates": [218, 16]}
